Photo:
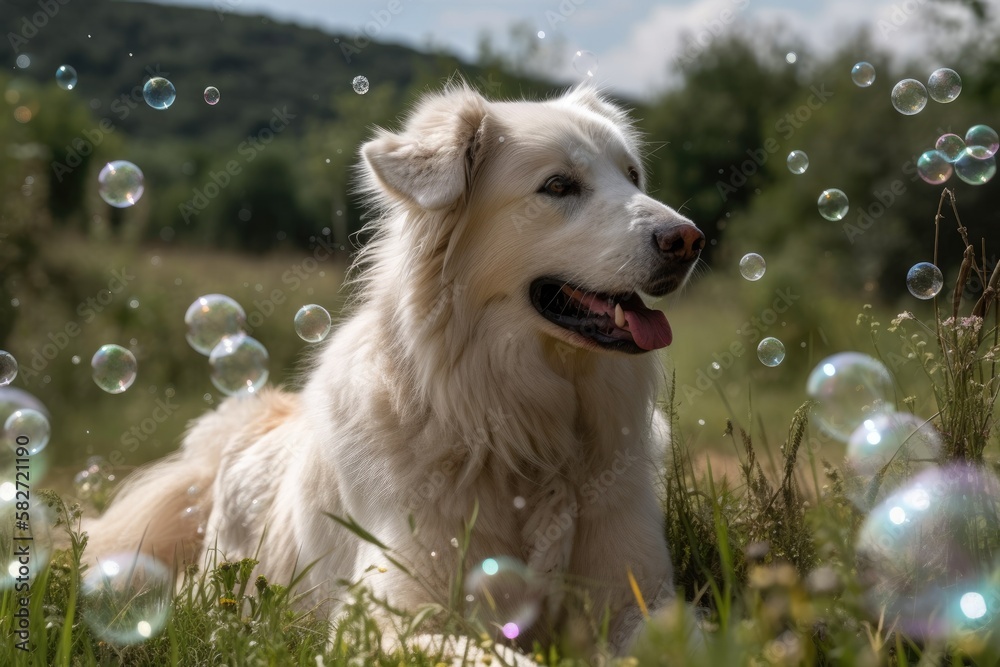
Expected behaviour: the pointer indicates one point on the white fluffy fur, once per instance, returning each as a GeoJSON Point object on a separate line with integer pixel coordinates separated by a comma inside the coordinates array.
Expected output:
{"type": "Point", "coordinates": [445, 387]}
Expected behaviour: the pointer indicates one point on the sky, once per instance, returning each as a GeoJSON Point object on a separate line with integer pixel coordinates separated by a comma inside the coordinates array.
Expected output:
{"type": "Point", "coordinates": [633, 43]}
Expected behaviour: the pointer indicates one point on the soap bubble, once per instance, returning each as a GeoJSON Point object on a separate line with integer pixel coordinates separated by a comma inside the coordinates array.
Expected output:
{"type": "Point", "coordinates": [887, 449]}
{"type": "Point", "coordinates": [312, 323]}
{"type": "Point", "coordinates": [95, 480]}
{"type": "Point", "coordinates": [23, 61]}
{"type": "Point", "coordinates": [849, 388]}
{"type": "Point", "coordinates": [833, 204]}
{"type": "Point", "coordinates": [585, 63]}
{"type": "Point", "coordinates": [982, 141]}
{"type": "Point", "coordinates": [752, 266]}
{"type": "Point", "coordinates": [128, 597]}
{"type": "Point", "coordinates": [909, 97]}
{"type": "Point", "coordinates": [951, 146]}
{"type": "Point", "coordinates": [944, 85]}
{"type": "Point", "coordinates": [771, 351]}
{"type": "Point", "coordinates": [114, 368]}
{"type": "Point", "coordinates": [210, 318]}
{"type": "Point", "coordinates": [66, 77]}
{"type": "Point", "coordinates": [503, 596]}
{"type": "Point", "coordinates": [798, 162]}
{"type": "Point", "coordinates": [918, 558]}
{"type": "Point", "coordinates": [30, 425]}
{"type": "Point", "coordinates": [212, 95]}
{"type": "Point", "coordinates": [360, 84]}
{"type": "Point", "coordinates": [934, 167]}
{"type": "Point", "coordinates": [863, 74]}
{"type": "Point", "coordinates": [159, 93]}
{"type": "Point", "coordinates": [974, 171]}
{"type": "Point", "coordinates": [36, 533]}
{"type": "Point", "coordinates": [120, 183]}
{"type": "Point", "coordinates": [239, 365]}
{"type": "Point", "coordinates": [924, 280]}
{"type": "Point", "coordinates": [8, 368]}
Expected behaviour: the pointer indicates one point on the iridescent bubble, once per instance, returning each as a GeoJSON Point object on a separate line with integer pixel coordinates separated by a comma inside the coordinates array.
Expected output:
{"type": "Point", "coordinates": [919, 559]}
{"type": "Point", "coordinates": [752, 266]}
{"type": "Point", "coordinates": [934, 167]}
{"type": "Point", "coordinates": [159, 93]}
{"type": "Point", "coordinates": [924, 280]}
{"type": "Point", "coordinates": [212, 95]}
{"type": "Point", "coordinates": [798, 162]}
{"type": "Point", "coordinates": [863, 74]}
{"type": "Point", "coordinates": [27, 428]}
{"type": "Point", "coordinates": [909, 97]}
{"type": "Point", "coordinates": [944, 85]}
{"type": "Point", "coordinates": [982, 141]}
{"type": "Point", "coordinates": [889, 448]}
{"type": "Point", "coordinates": [128, 597]}
{"type": "Point", "coordinates": [833, 204]}
{"type": "Point", "coordinates": [585, 63]}
{"type": "Point", "coordinates": [120, 183]}
{"type": "Point", "coordinates": [8, 368]}
{"type": "Point", "coordinates": [771, 351]}
{"type": "Point", "coordinates": [312, 323]}
{"type": "Point", "coordinates": [95, 481]}
{"type": "Point", "coordinates": [951, 146]}
{"type": "Point", "coordinates": [975, 171]}
{"type": "Point", "coordinates": [360, 84]}
{"type": "Point", "coordinates": [210, 318]}
{"type": "Point", "coordinates": [114, 368]}
{"type": "Point", "coordinates": [503, 597]}
{"type": "Point", "coordinates": [849, 388]}
{"type": "Point", "coordinates": [36, 533]}
{"type": "Point", "coordinates": [239, 365]}
{"type": "Point", "coordinates": [66, 77]}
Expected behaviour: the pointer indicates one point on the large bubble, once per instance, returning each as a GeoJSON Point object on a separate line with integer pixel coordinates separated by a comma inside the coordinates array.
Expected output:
{"type": "Point", "coordinates": [212, 317]}
{"type": "Point", "coordinates": [239, 365]}
{"type": "Point", "coordinates": [934, 167]}
{"type": "Point", "coordinates": [120, 183]}
{"type": "Point", "coordinates": [127, 597]}
{"type": "Point", "coordinates": [114, 368]}
{"type": "Point", "coordinates": [771, 351]}
{"type": "Point", "coordinates": [8, 368]}
{"type": "Point", "coordinates": [944, 85]}
{"type": "Point", "coordinates": [833, 204]}
{"type": "Point", "coordinates": [798, 162]}
{"type": "Point", "coordinates": [503, 596]}
{"type": "Point", "coordinates": [951, 146]}
{"type": "Point", "coordinates": [312, 323]}
{"type": "Point", "coordinates": [159, 93]}
{"type": "Point", "coordinates": [887, 449]}
{"type": "Point", "coordinates": [975, 171]}
{"type": "Point", "coordinates": [909, 97]}
{"type": "Point", "coordinates": [752, 266]}
{"type": "Point", "coordinates": [863, 74]}
{"type": "Point", "coordinates": [849, 388]}
{"type": "Point", "coordinates": [27, 428]}
{"type": "Point", "coordinates": [585, 63]}
{"type": "Point", "coordinates": [924, 280]}
{"type": "Point", "coordinates": [982, 141]}
{"type": "Point", "coordinates": [922, 555]}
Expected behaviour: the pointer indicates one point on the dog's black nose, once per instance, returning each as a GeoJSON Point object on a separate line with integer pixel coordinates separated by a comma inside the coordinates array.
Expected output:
{"type": "Point", "coordinates": [682, 242]}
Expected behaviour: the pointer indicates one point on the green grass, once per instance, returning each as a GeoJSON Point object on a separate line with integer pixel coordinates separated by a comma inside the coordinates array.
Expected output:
{"type": "Point", "coordinates": [764, 529]}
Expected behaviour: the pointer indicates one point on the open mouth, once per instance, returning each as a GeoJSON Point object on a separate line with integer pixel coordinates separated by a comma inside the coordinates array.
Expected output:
{"type": "Point", "coordinates": [619, 322]}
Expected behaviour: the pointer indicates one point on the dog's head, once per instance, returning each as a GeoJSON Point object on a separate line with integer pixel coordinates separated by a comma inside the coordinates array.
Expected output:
{"type": "Point", "coordinates": [538, 211]}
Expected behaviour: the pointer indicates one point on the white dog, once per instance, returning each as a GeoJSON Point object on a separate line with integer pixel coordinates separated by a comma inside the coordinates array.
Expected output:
{"type": "Point", "coordinates": [498, 357]}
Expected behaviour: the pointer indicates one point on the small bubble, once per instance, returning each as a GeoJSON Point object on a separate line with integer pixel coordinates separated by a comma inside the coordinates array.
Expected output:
{"type": "Point", "coordinates": [701, 422]}
{"type": "Point", "coordinates": [519, 502]}
{"type": "Point", "coordinates": [924, 280]}
{"type": "Point", "coordinates": [133, 303]}
{"type": "Point", "coordinates": [863, 74]}
{"type": "Point", "coordinates": [8, 368]}
{"type": "Point", "coordinates": [833, 204]}
{"type": "Point", "coordinates": [909, 97]}
{"type": "Point", "coordinates": [210, 318]}
{"type": "Point", "coordinates": [771, 351]}
{"type": "Point", "coordinates": [752, 266]}
{"type": "Point", "coordinates": [114, 368]}
{"type": "Point", "coordinates": [360, 84]}
{"type": "Point", "coordinates": [244, 215]}
{"type": "Point", "coordinates": [944, 85]}
{"type": "Point", "coordinates": [934, 167]}
{"type": "Point", "coordinates": [120, 183]}
{"type": "Point", "coordinates": [76, 360]}
{"type": "Point", "coordinates": [312, 323]}
{"type": "Point", "coordinates": [30, 424]}
{"type": "Point", "coordinates": [791, 57]}
{"type": "Point", "coordinates": [212, 95]}
{"type": "Point", "coordinates": [541, 34]}
{"type": "Point", "coordinates": [66, 77]}
{"type": "Point", "coordinates": [24, 61]}
{"type": "Point", "coordinates": [159, 93]}
{"type": "Point", "coordinates": [798, 162]}
{"type": "Point", "coordinates": [239, 365]}
{"type": "Point", "coordinates": [585, 63]}
{"type": "Point", "coordinates": [454, 542]}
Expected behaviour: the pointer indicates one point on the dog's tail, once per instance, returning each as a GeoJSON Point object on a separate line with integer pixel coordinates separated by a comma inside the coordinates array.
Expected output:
{"type": "Point", "coordinates": [161, 509]}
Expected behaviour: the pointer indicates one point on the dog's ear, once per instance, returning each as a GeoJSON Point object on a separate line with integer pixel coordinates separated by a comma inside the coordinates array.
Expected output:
{"type": "Point", "coordinates": [429, 162]}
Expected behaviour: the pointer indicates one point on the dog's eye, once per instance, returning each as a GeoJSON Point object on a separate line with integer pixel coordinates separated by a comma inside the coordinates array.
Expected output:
{"type": "Point", "coordinates": [633, 174]}
{"type": "Point", "coordinates": [560, 186]}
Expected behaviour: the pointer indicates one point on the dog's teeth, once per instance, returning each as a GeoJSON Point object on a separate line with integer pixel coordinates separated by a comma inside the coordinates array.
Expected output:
{"type": "Point", "coordinates": [619, 316]}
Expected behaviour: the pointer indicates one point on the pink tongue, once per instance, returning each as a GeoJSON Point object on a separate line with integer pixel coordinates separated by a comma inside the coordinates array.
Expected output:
{"type": "Point", "coordinates": [649, 328]}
